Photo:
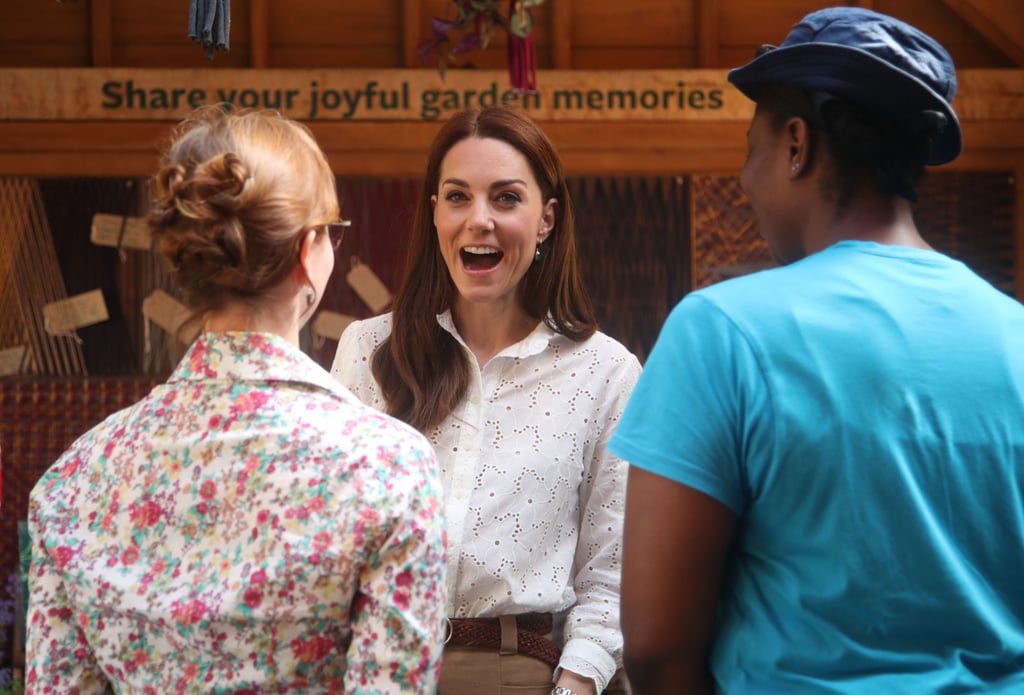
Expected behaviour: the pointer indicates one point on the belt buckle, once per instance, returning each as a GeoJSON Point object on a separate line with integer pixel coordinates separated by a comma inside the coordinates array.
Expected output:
{"type": "Point", "coordinates": [449, 630]}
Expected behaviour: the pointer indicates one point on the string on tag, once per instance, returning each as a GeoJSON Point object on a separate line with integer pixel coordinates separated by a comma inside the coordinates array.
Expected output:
{"type": "Point", "coordinates": [124, 226]}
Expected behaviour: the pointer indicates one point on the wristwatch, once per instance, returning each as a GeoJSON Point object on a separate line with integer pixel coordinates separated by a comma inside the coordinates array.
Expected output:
{"type": "Point", "coordinates": [559, 690]}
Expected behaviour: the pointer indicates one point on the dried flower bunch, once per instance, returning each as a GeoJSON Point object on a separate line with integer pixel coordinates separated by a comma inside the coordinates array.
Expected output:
{"type": "Point", "coordinates": [477, 20]}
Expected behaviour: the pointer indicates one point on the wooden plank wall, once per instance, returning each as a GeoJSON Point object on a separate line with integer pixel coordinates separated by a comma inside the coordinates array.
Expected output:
{"type": "Point", "coordinates": [581, 34]}
{"type": "Point", "coordinates": [570, 35]}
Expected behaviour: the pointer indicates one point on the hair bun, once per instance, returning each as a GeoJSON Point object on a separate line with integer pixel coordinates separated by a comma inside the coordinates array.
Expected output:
{"type": "Point", "coordinates": [928, 123]}
{"type": "Point", "coordinates": [235, 193]}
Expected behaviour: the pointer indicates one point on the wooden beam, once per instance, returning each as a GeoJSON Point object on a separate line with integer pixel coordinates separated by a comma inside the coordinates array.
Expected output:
{"type": "Point", "coordinates": [102, 39]}
{"type": "Point", "coordinates": [409, 163]}
{"type": "Point", "coordinates": [259, 33]}
{"type": "Point", "coordinates": [131, 148]}
{"type": "Point", "coordinates": [707, 38]}
{"type": "Point", "coordinates": [412, 15]}
{"type": "Point", "coordinates": [561, 34]}
{"type": "Point", "coordinates": [990, 28]}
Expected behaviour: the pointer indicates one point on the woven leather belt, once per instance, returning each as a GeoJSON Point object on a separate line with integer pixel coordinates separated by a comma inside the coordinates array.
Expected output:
{"type": "Point", "coordinates": [531, 635]}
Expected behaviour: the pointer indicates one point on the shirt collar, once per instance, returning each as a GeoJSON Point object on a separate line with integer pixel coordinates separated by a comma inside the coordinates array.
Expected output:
{"type": "Point", "coordinates": [534, 344]}
{"type": "Point", "coordinates": [245, 356]}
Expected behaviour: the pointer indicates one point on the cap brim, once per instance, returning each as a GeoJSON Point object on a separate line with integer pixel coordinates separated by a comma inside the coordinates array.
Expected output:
{"type": "Point", "coordinates": [856, 75]}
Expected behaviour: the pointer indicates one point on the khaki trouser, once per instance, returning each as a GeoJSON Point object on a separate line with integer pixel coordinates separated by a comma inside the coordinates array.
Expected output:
{"type": "Point", "coordinates": [475, 671]}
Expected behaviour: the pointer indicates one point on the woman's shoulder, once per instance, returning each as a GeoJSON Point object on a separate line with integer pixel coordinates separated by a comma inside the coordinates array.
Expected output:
{"type": "Point", "coordinates": [609, 346]}
{"type": "Point", "coordinates": [365, 335]}
{"type": "Point", "coordinates": [371, 425]}
{"type": "Point", "coordinates": [338, 426]}
{"type": "Point", "coordinates": [606, 352]}
{"type": "Point", "coordinates": [378, 326]}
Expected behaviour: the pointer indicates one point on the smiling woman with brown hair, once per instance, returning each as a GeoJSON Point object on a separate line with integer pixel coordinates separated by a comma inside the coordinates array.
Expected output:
{"type": "Point", "coordinates": [492, 352]}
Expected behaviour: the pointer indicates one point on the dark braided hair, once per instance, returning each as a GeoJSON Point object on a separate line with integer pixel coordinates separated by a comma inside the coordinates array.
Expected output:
{"type": "Point", "coordinates": [867, 148]}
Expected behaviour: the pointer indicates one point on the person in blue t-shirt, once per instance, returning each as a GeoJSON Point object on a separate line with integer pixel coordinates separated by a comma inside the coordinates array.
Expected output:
{"type": "Point", "coordinates": [826, 488]}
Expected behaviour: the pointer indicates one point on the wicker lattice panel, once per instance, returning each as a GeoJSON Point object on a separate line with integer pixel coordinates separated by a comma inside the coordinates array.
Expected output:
{"type": "Point", "coordinates": [726, 239]}
{"type": "Point", "coordinates": [634, 249]}
{"type": "Point", "coordinates": [118, 345]}
{"type": "Point", "coordinates": [970, 216]}
{"type": "Point", "coordinates": [31, 279]}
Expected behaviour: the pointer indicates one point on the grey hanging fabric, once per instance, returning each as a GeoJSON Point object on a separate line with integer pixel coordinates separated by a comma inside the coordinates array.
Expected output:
{"type": "Point", "coordinates": [209, 23]}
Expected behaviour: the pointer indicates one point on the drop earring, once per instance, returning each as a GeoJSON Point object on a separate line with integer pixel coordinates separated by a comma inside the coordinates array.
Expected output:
{"type": "Point", "coordinates": [310, 296]}
{"type": "Point", "coordinates": [537, 256]}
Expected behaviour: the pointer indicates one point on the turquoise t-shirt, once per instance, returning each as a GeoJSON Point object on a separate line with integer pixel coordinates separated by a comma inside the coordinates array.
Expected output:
{"type": "Point", "coordinates": [862, 412]}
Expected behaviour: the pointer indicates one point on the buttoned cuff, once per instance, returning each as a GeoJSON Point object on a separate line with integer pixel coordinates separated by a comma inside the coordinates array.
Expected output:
{"type": "Point", "coordinates": [588, 660]}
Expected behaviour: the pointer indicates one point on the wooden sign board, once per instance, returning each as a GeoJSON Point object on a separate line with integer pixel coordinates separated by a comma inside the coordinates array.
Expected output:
{"type": "Point", "coordinates": [378, 95]}
{"type": "Point", "coordinates": [75, 94]}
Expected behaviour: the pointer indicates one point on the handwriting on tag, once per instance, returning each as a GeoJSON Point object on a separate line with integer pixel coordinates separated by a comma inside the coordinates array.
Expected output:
{"type": "Point", "coordinates": [369, 287]}
{"type": "Point", "coordinates": [81, 310]}
{"type": "Point", "coordinates": [106, 231]}
{"type": "Point", "coordinates": [331, 324]}
{"type": "Point", "coordinates": [11, 360]}
{"type": "Point", "coordinates": [166, 312]}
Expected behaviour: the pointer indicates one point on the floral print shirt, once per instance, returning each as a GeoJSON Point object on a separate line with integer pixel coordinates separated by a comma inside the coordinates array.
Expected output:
{"type": "Point", "coordinates": [248, 527]}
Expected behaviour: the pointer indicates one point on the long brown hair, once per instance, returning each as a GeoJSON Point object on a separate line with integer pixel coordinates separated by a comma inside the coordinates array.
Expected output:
{"type": "Point", "coordinates": [422, 371]}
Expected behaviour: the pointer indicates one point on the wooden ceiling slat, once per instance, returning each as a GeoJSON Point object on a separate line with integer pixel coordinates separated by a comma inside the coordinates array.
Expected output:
{"type": "Point", "coordinates": [707, 38]}
{"type": "Point", "coordinates": [259, 33]}
{"type": "Point", "coordinates": [983, 23]}
{"type": "Point", "coordinates": [638, 23]}
{"type": "Point", "coordinates": [102, 38]}
{"type": "Point", "coordinates": [412, 15]}
{"type": "Point", "coordinates": [570, 34]}
{"type": "Point", "coordinates": [561, 33]}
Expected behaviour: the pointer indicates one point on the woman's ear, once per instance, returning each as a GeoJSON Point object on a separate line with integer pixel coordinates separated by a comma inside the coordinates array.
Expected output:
{"type": "Point", "coordinates": [547, 219]}
{"type": "Point", "coordinates": [798, 134]}
{"type": "Point", "coordinates": [305, 250]}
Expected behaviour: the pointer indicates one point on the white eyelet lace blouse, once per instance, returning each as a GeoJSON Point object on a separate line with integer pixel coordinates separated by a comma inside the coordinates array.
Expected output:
{"type": "Point", "coordinates": [534, 500]}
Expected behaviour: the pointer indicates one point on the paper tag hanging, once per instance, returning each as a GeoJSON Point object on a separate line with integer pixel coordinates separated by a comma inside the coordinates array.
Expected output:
{"type": "Point", "coordinates": [166, 312]}
{"type": "Point", "coordinates": [331, 324]}
{"type": "Point", "coordinates": [368, 286]}
{"type": "Point", "coordinates": [11, 360]}
{"type": "Point", "coordinates": [64, 316]}
{"type": "Point", "coordinates": [118, 231]}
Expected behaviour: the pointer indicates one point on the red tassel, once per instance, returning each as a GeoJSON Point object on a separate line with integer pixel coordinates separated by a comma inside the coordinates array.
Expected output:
{"type": "Point", "coordinates": [522, 55]}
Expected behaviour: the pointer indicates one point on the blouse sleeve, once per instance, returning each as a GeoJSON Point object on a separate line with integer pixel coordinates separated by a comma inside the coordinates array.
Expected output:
{"type": "Point", "coordinates": [701, 402]}
{"type": "Point", "coordinates": [593, 640]}
{"type": "Point", "coordinates": [57, 657]}
{"type": "Point", "coordinates": [398, 617]}
{"type": "Point", "coordinates": [353, 359]}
